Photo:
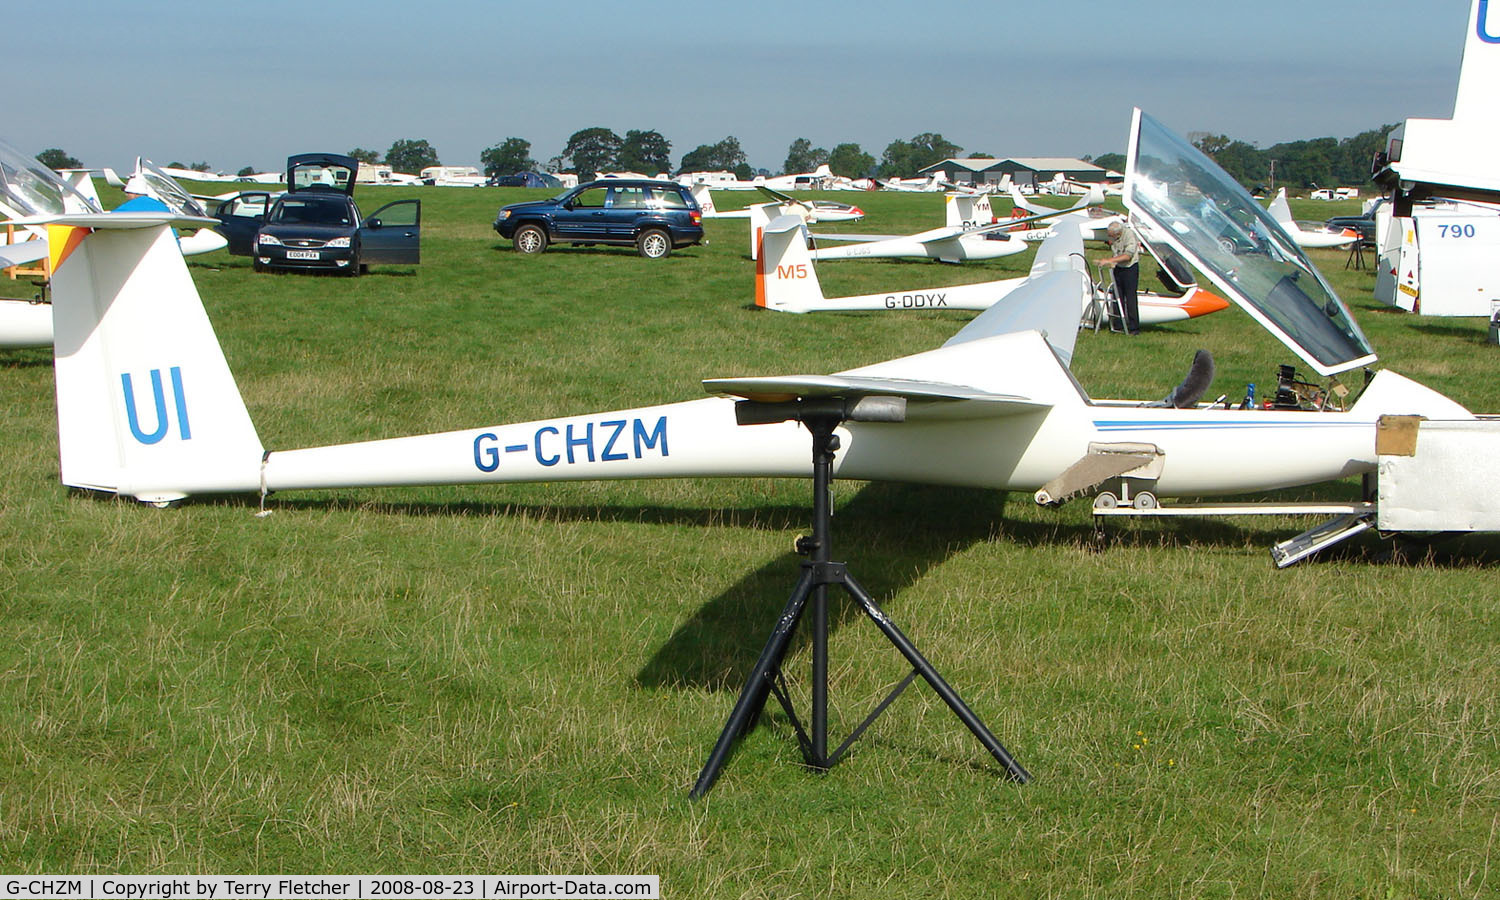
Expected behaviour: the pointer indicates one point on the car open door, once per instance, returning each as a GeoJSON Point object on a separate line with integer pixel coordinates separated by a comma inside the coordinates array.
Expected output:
{"type": "Point", "coordinates": [240, 217]}
{"type": "Point", "coordinates": [392, 234]}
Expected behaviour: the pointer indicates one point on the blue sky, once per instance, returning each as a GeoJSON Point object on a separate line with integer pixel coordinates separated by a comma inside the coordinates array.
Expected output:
{"type": "Point", "coordinates": [218, 82]}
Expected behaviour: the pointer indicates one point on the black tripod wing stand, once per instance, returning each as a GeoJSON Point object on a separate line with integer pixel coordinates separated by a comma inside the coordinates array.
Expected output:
{"type": "Point", "coordinates": [821, 416]}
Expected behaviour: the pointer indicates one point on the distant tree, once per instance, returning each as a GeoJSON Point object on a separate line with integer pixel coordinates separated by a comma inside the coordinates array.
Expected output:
{"type": "Point", "coordinates": [365, 157]}
{"type": "Point", "coordinates": [592, 150]}
{"type": "Point", "coordinates": [802, 156]}
{"type": "Point", "coordinates": [248, 170]}
{"type": "Point", "coordinates": [554, 165]}
{"type": "Point", "coordinates": [850, 161]}
{"type": "Point", "coordinates": [647, 152]}
{"type": "Point", "coordinates": [1242, 161]}
{"type": "Point", "coordinates": [1114, 161]}
{"type": "Point", "coordinates": [1245, 163]}
{"type": "Point", "coordinates": [411, 156]}
{"type": "Point", "coordinates": [510, 156]}
{"type": "Point", "coordinates": [906, 158]}
{"type": "Point", "coordinates": [54, 158]}
{"type": "Point", "coordinates": [1210, 144]}
{"type": "Point", "coordinates": [725, 155]}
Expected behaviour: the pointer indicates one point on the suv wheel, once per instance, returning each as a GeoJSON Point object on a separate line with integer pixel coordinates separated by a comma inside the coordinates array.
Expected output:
{"type": "Point", "coordinates": [530, 239]}
{"type": "Point", "coordinates": [654, 244]}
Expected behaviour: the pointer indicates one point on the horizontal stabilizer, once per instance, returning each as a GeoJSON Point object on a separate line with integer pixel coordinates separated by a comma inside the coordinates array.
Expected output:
{"type": "Point", "coordinates": [776, 195]}
{"type": "Point", "coordinates": [22, 252]}
{"type": "Point", "coordinates": [121, 220]}
{"type": "Point", "coordinates": [926, 399]}
{"type": "Point", "coordinates": [858, 237]}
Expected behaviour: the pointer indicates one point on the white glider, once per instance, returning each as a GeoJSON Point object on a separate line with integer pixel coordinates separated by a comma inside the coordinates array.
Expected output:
{"type": "Point", "coordinates": [1099, 221]}
{"type": "Point", "coordinates": [810, 210]}
{"type": "Point", "coordinates": [787, 281]}
{"type": "Point", "coordinates": [148, 408]}
{"type": "Point", "coordinates": [953, 243]}
{"type": "Point", "coordinates": [1309, 234]}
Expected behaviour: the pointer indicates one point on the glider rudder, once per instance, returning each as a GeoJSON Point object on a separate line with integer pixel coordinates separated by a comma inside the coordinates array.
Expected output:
{"type": "Point", "coordinates": [785, 278]}
{"type": "Point", "coordinates": [146, 404]}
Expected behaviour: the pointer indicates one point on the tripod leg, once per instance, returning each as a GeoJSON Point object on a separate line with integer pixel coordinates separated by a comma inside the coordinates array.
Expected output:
{"type": "Point", "coordinates": [757, 686]}
{"type": "Point", "coordinates": [818, 758]}
{"type": "Point", "coordinates": [931, 676]}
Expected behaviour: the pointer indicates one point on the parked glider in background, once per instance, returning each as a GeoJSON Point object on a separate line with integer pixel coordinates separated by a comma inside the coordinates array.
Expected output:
{"type": "Point", "coordinates": [930, 184]}
{"type": "Point", "coordinates": [1309, 234]}
{"type": "Point", "coordinates": [810, 210]}
{"type": "Point", "coordinates": [967, 209]}
{"type": "Point", "coordinates": [150, 180]}
{"type": "Point", "coordinates": [759, 214]}
{"type": "Point", "coordinates": [787, 281]}
{"type": "Point", "coordinates": [1094, 227]}
{"type": "Point", "coordinates": [154, 413]}
{"type": "Point", "coordinates": [953, 243]}
{"type": "Point", "coordinates": [817, 179]}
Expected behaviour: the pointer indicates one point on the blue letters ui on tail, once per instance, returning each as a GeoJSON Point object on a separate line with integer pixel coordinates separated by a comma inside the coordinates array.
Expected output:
{"type": "Point", "coordinates": [1481, 24]}
{"type": "Point", "coordinates": [158, 394]}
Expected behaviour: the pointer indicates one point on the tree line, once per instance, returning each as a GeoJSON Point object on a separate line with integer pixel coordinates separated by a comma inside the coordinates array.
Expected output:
{"type": "Point", "coordinates": [599, 149]}
{"type": "Point", "coordinates": [1306, 163]}
{"type": "Point", "coordinates": [590, 151]}
{"type": "Point", "coordinates": [1318, 162]}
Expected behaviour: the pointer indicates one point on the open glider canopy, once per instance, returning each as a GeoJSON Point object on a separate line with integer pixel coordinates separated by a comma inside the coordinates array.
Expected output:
{"type": "Point", "coordinates": [1195, 207]}
{"type": "Point", "coordinates": [28, 188]}
{"type": "Point", "coordinates": [169, 191]}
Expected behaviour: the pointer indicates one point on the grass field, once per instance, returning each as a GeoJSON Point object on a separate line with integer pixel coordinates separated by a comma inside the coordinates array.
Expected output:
{"type": "Point", "coordinates": [527, 679]}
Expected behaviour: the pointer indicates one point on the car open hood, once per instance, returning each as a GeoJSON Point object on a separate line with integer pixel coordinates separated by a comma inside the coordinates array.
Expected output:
{"type": "Point", "coordinates": [322, 172]}
{"type": "Point", "coordinates": [1195, 207]}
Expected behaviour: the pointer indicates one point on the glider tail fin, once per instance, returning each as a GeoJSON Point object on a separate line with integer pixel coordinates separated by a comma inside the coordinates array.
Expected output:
{"type": "Point", "coordinates": [1480, 64]}
{"type": "Point", "coordinates": [761, 215]}
{"type": "Point", "coordinates": [785, 278]}
{"type": "Point", "coordinates": [1280, 210]}
{"type": "Point", "coordinates": [705, 198]}
{"type": "Point", "coordinates": [146, 404]}
{"type": "Point", "coordinates": [966, 210]}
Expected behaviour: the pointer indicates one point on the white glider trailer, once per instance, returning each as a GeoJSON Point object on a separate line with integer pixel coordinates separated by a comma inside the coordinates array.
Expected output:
{"type": "Point", "coordinates": [1439, 261]}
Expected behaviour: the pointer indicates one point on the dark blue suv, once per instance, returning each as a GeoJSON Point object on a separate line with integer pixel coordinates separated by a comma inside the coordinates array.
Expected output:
{"type": "Point", "coordinates": [653, 216]}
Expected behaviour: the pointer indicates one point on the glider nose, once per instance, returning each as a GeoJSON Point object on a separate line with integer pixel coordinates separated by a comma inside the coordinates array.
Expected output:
{"type": "Point", "coordinates": [1201, 303]}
